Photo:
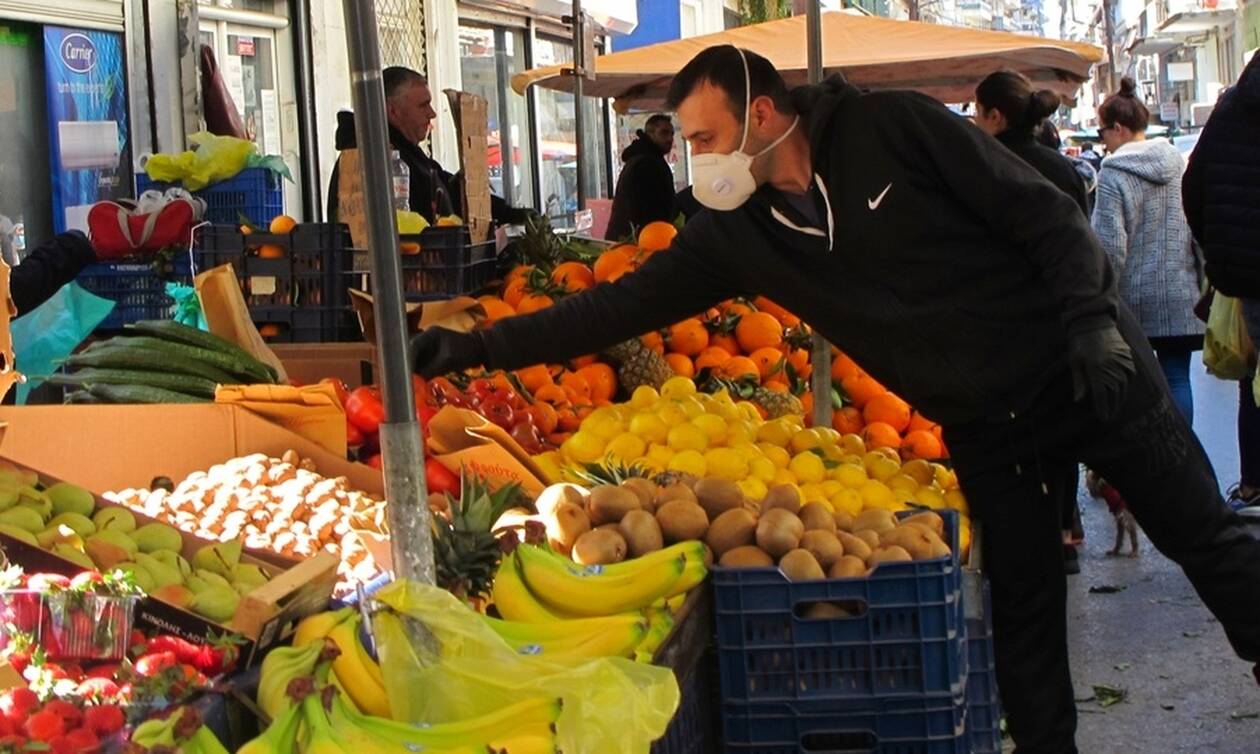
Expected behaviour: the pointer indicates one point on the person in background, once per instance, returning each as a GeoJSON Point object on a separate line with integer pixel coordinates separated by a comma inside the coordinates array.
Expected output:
{"type": "Point", "coordinates": [1221, 193]}
{"type": "Point", "coordinates": [645, 188]}
{"type": "Point", "coordinates": [48, 267]}
{"type": "Point", "coordinates": [1009, 109]}
{"type": "Point", "coordinates": [1142, 227]}
{"type": "Point", "coordinates": [1089, 155]}
{"type": "Point", "coordinates": [1048, 134]}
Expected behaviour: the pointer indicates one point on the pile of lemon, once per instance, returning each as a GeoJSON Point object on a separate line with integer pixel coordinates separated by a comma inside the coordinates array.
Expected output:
{"type": "Point", "coordinates": [683, 430]}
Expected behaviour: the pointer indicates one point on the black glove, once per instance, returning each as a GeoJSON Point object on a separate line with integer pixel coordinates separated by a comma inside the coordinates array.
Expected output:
{"type": "Point", "coordinates": [1101, 367]}
{"type": "Point", "coordinates": [439, 351]}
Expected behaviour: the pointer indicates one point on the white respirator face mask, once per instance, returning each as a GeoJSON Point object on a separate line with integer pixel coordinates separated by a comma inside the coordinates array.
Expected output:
{"type": "Point", "coordinates": [725, 181]}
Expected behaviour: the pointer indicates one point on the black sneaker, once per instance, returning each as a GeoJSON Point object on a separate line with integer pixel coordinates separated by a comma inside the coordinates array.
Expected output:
{"type": "Point", "coordinates": [1071, 561]}
{"type": "Point", "coordinates": [1236, 500]}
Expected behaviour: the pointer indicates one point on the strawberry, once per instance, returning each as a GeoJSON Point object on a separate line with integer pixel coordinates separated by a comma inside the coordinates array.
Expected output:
{"type": "Point", "coordinates": [215, 660]}
{"type": "Point", "coordinates": [17, 703]}
{"type": "Point", "coordinates": [55, 671]}
{"type": "Point", "coordinates": [152, 664]}
{"type": "Point", "coordinates": [13, 743]}
{"type": "Point", "coordinates": [44, 725]}
{"type": "Point", "coordinates": [47, 582]}
{"type": "Point", "coordinates": [108, 671]}
{"type": "Point", "coordinates": [74, 671]}
{"type": "Point", "coordinates": [137, 642]}
{"type": "Point", "coordinates": [6, 727]}
{"type": "Point", "coordinates": [97, 688]}
{"type": "Point", "coordinates": [67, 711]}
{"type": "Point", "coordinates": [184, 651]}
{"type": "Point", "coordinates": [83, 740]}
{"type": "Point", "coordinates": [61, 745]}
{"type": "Point", "coordinates": [104, 719]}
{"type": "Point", "coordinates": [19, 661]}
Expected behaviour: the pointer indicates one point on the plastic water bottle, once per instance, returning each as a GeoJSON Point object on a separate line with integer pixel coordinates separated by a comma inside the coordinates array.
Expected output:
{"type": "Point", "coordinates": [402, 182]}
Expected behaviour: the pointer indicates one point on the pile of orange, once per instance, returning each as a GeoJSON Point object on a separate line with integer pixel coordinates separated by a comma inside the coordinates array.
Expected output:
{"type": "Point", "coordinates": [882, 418]}
{"type": "Point", "coordinates": [737, 340]}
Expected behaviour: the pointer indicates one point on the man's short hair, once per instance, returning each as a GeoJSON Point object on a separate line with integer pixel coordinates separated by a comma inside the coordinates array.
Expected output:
{"type": "Point", "coordinates": [657, 119]}
{"type": "Point", "coordinates": [721, 67]}
{"type": "Point", "coordinates": [396, 77]}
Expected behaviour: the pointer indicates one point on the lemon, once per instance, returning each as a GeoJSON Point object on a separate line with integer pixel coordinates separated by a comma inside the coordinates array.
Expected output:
{"type": "Point", "coordinates": [855, 460]}
{"type": "Point", "coordinates": [808, 468]}
{"type": "Point", "coordinates": [659, 454]}
{"type": "Point", "coordinates": [627, 446]}
{"type": "Point", "coordinates": [688, 462]}
{"type": "Point", "coordinates": [775, 432]}
{"type": "Point", "coordinates": [603, 414]}
{"type": "Point", "coordinates": [746, 449]}
{"type": "Point", "coordinates": [583, 447]}
{"type": "Point", "coordinates": [904, 486]}
{"type": "Point", "coordinates": [853, 445]}
{"type": "Point", "coordinates": [920, 470]}
{"type": "Point", "coordinates": [850, 475]}
{"type": "Point", "coordinates": [889, 453]}
{"type": "Point", "coordinates": [687, 437]}
{"type": "Point", "coordinates": [847, 500]}
{"type": "Point", "coordinates": [726, 464]}
{"type": "Point", "coordinates": [834, 453]}
{"type": "Point", "coordinates": [692, 407]}
{"type": "Point", "coordinates": [551, 464]}
{"type": "Point", "coordinates": [779, 456]}
{"type": "Point", "coordinates": [830, 487]}
{"type": "Point", "coordinates": [753, 488]}
{"type": "Point", "coordinates": [930, 497]}
{"type": "Point", "coordinates": [762, 468]}
{"type": "Point", "coordinates": [649, 426]}
{"type": "Point", "coordinates": [739, 431]}
{"type": "Point", "coordinates": [946, 478]}
{"type": "Point", "coordinates": [604, 427]}
{"type": "Point", "coordinates": [748, 410]}
{"type": "Point", "coordinates": [678, 387]}
{"type": "Point", "coordinates": [879, 466]}
{"type": "Point", "coordinates": [877, 495]}
{"type": "Point", "coordinates": [805, 439]}
{"type": "Point", "coordinates": [783, 476]}
{"type": "Point", "coordinates": [954, 499]}
{"type": "Point", "coordinates": [713, 426]}
{"type": "Point", "coordinates": [672, 413]}
{"type": "Point", "coordinates": [826, 436]}
{"type": "Point", "coordinates": [812, 493]}
{"type": "Point", "coordinates": [644, 397]}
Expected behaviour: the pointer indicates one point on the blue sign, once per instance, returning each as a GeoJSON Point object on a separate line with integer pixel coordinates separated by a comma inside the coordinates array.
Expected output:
{"type": "Point", "coordinates": [88, 131]}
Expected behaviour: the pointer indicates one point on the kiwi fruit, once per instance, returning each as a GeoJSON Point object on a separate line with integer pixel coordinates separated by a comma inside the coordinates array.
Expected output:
{"type": "Point", "coordinates": [823, 545]}
{"type": "Point", "coordinates": [599, 547]}
{"type": "Point", "coordinates": [843, 519]}
{"type": "Point", "coordinates": [877, 520]}
{"type": "Point", "coordinates": [817, 516]}
{"type": "Point", "coordinates": [718, 496]}
{"type": "Point", "coordinates": [914, 539]}
{"type": "Point", "coordinates": [641, 532]}
{"type": "Point", "coordinates": [854, 545]}
{"type": "Point", "coordinates": [783, 496]}
{"type": "Point", "coordinates": [825, 611]}
{"type": "Point", "coordinates": [566, 523]}
{"type": "Point", "coordinates": [847, 567]}
{"type": "Point", "coordinates": [607, 505]}
{"type": "Point", "coordinates": [779, 532]}
{"type": "Point", "coordinates": [799, 565]}
{"type": "Point", "coordinates": [930, 519]}
{"type": "Point", "coordinates": [748, 556]}
{"type": "Point", "coordinates": [734, 528]}
{"type": "Point", "coordinates": [562, 492]}
{"type": "Point", "coordinates": [645, 489]}
{"type": "Point", "coordinates": [869, 536]}
{"type": "Point", "coordinates": [681, 520]}
{"type": "Point", "coordinates": [675, 491]}
{"type": "Point", "coordinates": [890, 554]}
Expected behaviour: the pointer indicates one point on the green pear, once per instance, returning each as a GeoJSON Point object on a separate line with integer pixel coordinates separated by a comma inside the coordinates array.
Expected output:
{"type": "Point", "coordinates": [216, 603]}
{"type": "Point", "coordinates": [196, 584]}
{"type": "Point", "coordinates": [212, 578]}
{"type": "Point", "coordinates": [104, 553]}
{"type": "Point", "coordinates": [19, 533]}
{"type": "Point", "coordinates": [174, 560]}
{"type": "Point", "coordinates": [70, 498]}
{"type": "Point", "coordinates": [23, 518]}
{"type": "Point", "coordinates": [250, 575]}
{"type": "Point", "coordinates": [155, 536]}
{"type": "Point", "coordinates": [74, 556]}
{"type": "Point", "coordinates": [118, 519]}
{"type": "Point", "coordinates": [60, 535]}
{"type": "Point", "coordinates": [176, 594]}
{"type": "Point", "coordinates": [29, 497]}
{"type": "Point", "coordinates": [221, 558]}
{"type": "Point", "coordinates": [8, 496]}
{"type": "Point", "coordinates": [81, 524]}
{"type": "Point", "coordinates": [118, 539]}
{"type": "Point", "coordinates": [139, 575]}
{"type": "Point", "coordinates": [163, 575]}
{"type": "Point", "coordinates": [19, 477]}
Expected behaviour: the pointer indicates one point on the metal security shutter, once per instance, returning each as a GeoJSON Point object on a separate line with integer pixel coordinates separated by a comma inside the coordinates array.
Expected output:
{"type": "Point", "coordinates": [401, 29]}
{"type": "Point", "coordinates": [95, 14]}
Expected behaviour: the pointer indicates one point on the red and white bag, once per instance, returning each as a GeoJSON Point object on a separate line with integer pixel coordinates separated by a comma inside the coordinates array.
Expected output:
{"type": "Point", "coordinates": [122, 228]}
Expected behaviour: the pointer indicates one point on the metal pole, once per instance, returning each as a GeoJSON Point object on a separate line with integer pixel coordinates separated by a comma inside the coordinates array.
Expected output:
{"type": "Point", "coordinates": [1109, 29]}
{"type": "Point", "coordinates": [306, 110]}
{"type": "Point", "coordinates": [820, 381]}
{"type": "Point", "coordinates": [579, 120]}
{"type": "Point", "coordinates": [407, 509]}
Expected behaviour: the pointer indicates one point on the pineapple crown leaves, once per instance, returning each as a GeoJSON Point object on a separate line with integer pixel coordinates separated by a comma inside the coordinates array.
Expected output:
{"type": "Point", "coordinates": [743, 388]}
{"type": "Point", "coordinates": [799, 337]}
{"type": "Point", "coordinates": [539, 282]}
{"type": "Point", "coordinates": [611, 472]}
{"type": "Point", "coordinates": [477, 508]}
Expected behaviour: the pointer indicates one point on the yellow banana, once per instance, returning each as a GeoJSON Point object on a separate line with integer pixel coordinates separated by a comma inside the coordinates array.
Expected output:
{"type": "Point", "coordinates": [279, 737]}
{"type": "Point", "coordinates": [513, 599]}
{"type": "Point", "coordinates": [280, 666]}
{"type": "Point", "coordinates": [366, 692]}
{"type": "Point", "coordinates": [472, 734]}
{"type": "Point", "coordinates": [694, 574]}
{"type": "Point", "coordinates": [515, 631]}
{"type": "Point", "coordinates": [618, 643]}
{"type": "Point", "coordinates": [662, 622]}
{"type": "Point", "coordinates": [531, 741]}
{"type": "Point", "coordinates": [594, 595]}
{"type": "Point", "coordinates": [692, 550]}
{"type": "Point", "coordinates": [317, 626]}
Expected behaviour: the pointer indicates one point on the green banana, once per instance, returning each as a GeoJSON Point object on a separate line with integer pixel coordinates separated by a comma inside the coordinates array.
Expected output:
{"type": "Point", "coordinates": [152, 733]}
{"type": "Point", "coordinates": [280, 736]}
{"type": "Point", "coordinates": [661, 624]}
{"type": "Point", "coordinates": [203, 741]}
{"type": "Point", "coordinates": [319, 733]}
{"type": "Point", "coordinates": [694, 574]}
{"type": "Point", "coordinates": [280, 666]}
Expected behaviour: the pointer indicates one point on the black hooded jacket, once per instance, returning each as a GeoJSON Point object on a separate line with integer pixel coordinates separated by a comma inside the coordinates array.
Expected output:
{"type": "Point", "coordinates": [1053, 166]}
{"type": "Point", "coordinates": [947, 268]}
{"type": "Point", "coordinates": [645, 190]}
{"type": "Point", "coordinates": [49, 266]}
{"type": "Point", "coordinates": [1221, 188]}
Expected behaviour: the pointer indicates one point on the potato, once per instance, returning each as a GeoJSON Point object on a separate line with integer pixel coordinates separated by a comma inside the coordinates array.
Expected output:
{"type": "Point", "coordinates": [891, 554]}
{"type": "Point", "coordinates": [825, 611]}
{"type": "Point", "coordinates": [854, 545]}
{"type": "Point", "coordinates": [599, 547]}
{"type": "Point", "coordinates": [718, 496]}
{"type": "Point", "coordinates": [847, 567]}
{"type": "Point", "coordinates": [646, 489]}
{"type": "Point", "coordinates": [681, 520]}
{"type": "Point", "coordinates": [817, 516]}
{"type": "Point", "coordinates": [675, 491]}
{"type": "Point", "coordinates": [608, 505]}
{"type": "Point", "coordinates": [783, 496]}
{"type": "Point", "coordinates": [748, 556]}
{"type": "Point", "coordinates": [844, 521]}
{"type": "Point", "coordinates": [779, 532]}
{"type": "Point", "coordinates": [823, 545]}
{"type": "Point", "coordinates": [868, 536]}
{"type": "Point", "coordinates": [566, 523]}
{"type": "Point", "coordinates": [799, 565]}
{"type": "Point", "coordinates": [562, 492]}
{"type": "Point", "coordinates": [734, 528]}
{"type": "Point", "coordinates": [930, 519]}
{"type": "Point", "coordinates": [641, 532]}
{"type": "Point", "coordinates": [875, 519]}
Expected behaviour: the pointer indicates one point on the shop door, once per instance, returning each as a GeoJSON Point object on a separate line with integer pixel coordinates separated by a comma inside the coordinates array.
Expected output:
{"type": "Point", "coordinates": [247, 61]}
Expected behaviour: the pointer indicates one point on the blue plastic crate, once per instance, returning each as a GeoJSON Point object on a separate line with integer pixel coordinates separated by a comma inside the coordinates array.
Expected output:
{"type": "Point", "coordinates": [919, 725]}
{"type": "Point", "coordinates": [448, 265]}
{"type": "Point", "coordinates": [693, 729]}
{"type": "Point", "coordinates": [256, 193]}
{"type": "Point", "coordinates": [137, 290]}
{"type": "Point", "coordinates": [984, 707]}
{"type": "Point", "coordinates": [906, 637]}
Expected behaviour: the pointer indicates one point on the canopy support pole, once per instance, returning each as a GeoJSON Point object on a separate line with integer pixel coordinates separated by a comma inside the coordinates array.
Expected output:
{"type": "Point", "coordinates": [820, 380]}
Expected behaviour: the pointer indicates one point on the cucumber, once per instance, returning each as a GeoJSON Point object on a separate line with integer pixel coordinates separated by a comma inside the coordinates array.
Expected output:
{"type": "Point", "coordinates": [175, 332]}
{"type": "Point", "coordinates": [180, 383]}
{"type": "Point", "coordinates": [217, 359]}
{"type": "Point", "coordinates": [145, 359]}
{"type": "Point", "coordinates": [140, 394]}
{"type": "Point", "coordinates": [81, 397]}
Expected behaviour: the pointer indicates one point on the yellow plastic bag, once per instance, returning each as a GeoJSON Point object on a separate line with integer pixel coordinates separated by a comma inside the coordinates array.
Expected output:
{"type": "Point", "coordinates": [1227, 351]}
{"type": "Point", "coordinates": [213, 159]}
{"type": "Point", "coordinates": [610, 705]}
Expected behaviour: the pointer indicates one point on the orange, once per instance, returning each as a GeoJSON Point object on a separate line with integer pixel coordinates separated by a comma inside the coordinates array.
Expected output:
{"type": "Point", "coordinates": [612, 264]}
{"type": "Point", "coordinates": [535, 377]}
{"type": "Point", "coordinates": [713, 356]}
{"type": "Point", "coordinates": [545, 417]}
{"type": "Point", "coordinates": [568, 420]}
{"type": "Point", "coordinates": [783, 315]}
{"type": "Point", "coordinates": [881, 435]}
{"type": "Point", "coordinates": [282, 224]}
{"type": "Point", "coordinates": [738, 367]}
{"type": "Point", "coordinates": [776, 386]}
{"type": "Point", "coordinates": [534, 303]}
{"type": "Point", "coordinates": [888, 409]}
{"type": "Point", "coordinates": [799, 359]}
{"type": "Point", "coordinates": [847, 421]}
{"type": "Point", "coordinates": [919, 421]}
{"type": "Point", "coordinates": [769, 361]}
{"type": "Point", "coordinates": [602, 379]}
{"type": "Point", "coordinates": [553, 394]}
{"type": "Point", "coordinates": [520, 271]}
{"type": "Point", "coordinates": [496, 309]}
{"type": "Point", "coordinates": [246, 230]}
{"type": "Point", "coordinates": [921, 444]}
{"type": "Point", "coordinates": [269, 330]}
{"type": "Point", "coordinates": [573, 276]}
{"type": "Point", "coordinates": [688, 337]}
{"type": "Point", "coordinates": [270, 251]}
{"type": "Point", "coordinates": [514, 292]}
{"type": "Point", "coordinates": [735, 308]}
{"type": "Point", "coordinates": [758, 330]}
{"type": "Point", "coordinates": [576, 387]}
{"type": "Point", "coordinates": [842, 368]}
{"type": "Point", "coordinates": [582, 361]}
{"type": "Point", "coordinates": [681, 364]}
{"type": "Point", "coordinates": [654, 342]}
{"type": "Point", "coordinates": [657, 236]}
{"type": "Point", "coordinates": [725, 341]}
{"type": "Point", "coordinates": [807, 408]}
{"type": "Point", "coordinates": [861, 388]}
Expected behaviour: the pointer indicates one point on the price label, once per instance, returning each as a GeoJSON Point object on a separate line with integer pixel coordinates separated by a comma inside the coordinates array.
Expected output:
{"type": "Point", "coordinates": [262, 285]}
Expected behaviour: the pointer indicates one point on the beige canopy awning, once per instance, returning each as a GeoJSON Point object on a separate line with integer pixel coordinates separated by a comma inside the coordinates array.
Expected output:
{"type": "Point", "coordinates": [945, 62]}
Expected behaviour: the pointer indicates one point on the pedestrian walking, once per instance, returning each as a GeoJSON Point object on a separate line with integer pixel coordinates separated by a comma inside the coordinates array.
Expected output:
{"type": "Point", "coordinates": [645, 188]}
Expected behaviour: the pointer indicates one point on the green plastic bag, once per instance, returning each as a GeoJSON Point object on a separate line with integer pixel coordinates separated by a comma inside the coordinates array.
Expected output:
{"type": "Point", "coordinates": [610, 705]}
{"type": "Point", "coordinates": [49, 333]}
{"type": "Point", "coordinates": [1227, 351]}
{"type": "Point", "coordinates": [187, 306]}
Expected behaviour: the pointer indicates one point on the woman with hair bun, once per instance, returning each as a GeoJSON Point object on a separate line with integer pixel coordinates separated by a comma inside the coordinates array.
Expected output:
{"type": "Point", "coordinates": [1140, 221]}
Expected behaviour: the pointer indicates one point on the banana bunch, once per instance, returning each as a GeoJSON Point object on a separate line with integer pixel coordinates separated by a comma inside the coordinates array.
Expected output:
{"type": "Point", "coordinates": [281, 666]}
{"type": "Point", "coordinates": [181, 732]}
{"type": "Point", "coordinates": [354, 670]}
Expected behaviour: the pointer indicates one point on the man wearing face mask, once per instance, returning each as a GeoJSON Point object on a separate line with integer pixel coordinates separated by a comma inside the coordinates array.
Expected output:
{"type": "Point", "coordinates": [957, 276]}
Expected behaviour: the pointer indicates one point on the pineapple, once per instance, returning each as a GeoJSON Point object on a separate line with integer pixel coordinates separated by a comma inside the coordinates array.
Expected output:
{"type": "Point", "coordinates": [638, 365]}
{"type": "Point", "coordinates": [749, 389]}
{"type": "Point", "coordinates": [465, 551]}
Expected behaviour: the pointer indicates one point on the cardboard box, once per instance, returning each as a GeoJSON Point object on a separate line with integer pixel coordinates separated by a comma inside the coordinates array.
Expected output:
{"type": "Point", "coordinates": [308, 363]}
{"type": "Point", "coordinates": [461, 438]}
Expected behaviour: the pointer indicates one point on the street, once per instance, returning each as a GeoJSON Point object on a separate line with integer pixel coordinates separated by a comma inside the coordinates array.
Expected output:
{"type": "Point", "coordinates": [1185, 689]}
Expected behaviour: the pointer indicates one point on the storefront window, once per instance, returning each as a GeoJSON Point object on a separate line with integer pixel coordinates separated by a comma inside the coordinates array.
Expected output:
{"type": "Point", "coordinates": [25, 189]}
{"type": "Point", "coordinates": [557, 134]}
{"type": "Point", "coordinates": [627, 128]}
{"type": "Point", "coordinates": [489, 57]}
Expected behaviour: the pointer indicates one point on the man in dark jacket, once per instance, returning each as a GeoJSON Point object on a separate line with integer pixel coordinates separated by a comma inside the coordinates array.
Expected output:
{"type": "Point", "coordinates": [957, 276]}
{"type": "Point", "coordinates": [645, 188]}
